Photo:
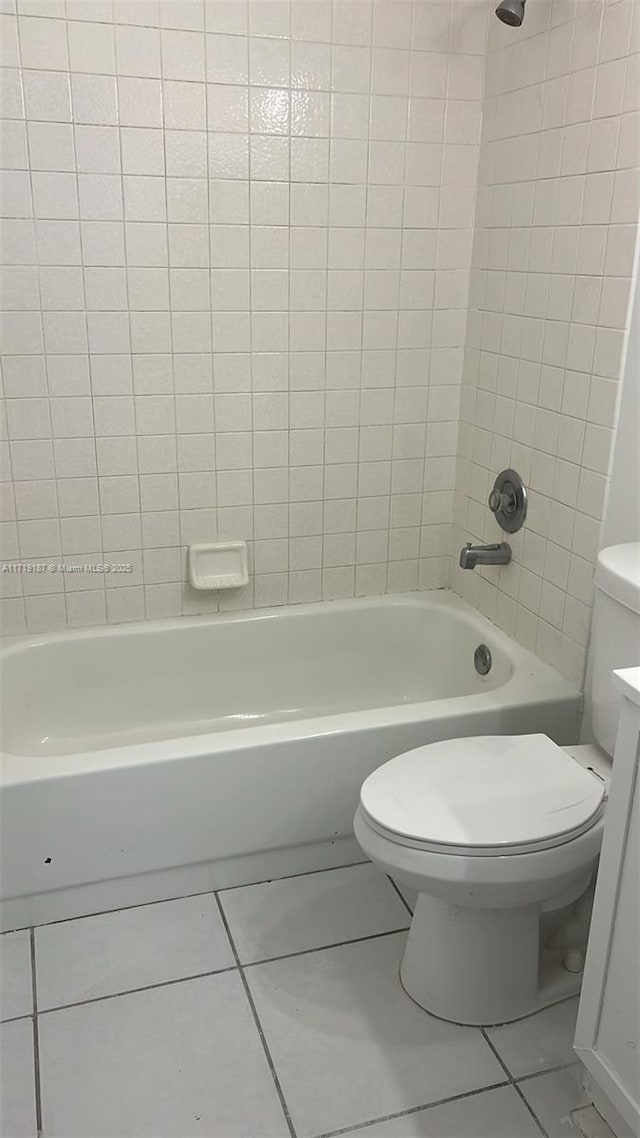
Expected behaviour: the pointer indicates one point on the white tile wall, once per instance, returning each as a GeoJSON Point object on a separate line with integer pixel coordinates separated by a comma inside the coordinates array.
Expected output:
{"type": "Point", "coordinates": [236, 256]}
{"type": "Point", "coordinates": [555, 235]}
{"type": "Point", "coordinates": [235, 266]}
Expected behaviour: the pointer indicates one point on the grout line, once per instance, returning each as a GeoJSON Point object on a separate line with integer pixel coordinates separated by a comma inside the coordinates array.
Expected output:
{"type": "Point", "coordinates": [413, 1110]}
{"type": "Point", "coordinates": [512, 1081]}
{"type": "Point", "coordinates": [238, 966]}
{"type": "Point", "coordinates": [134, 991]}
{"type": "Point", "coordinates": [324, 947]}
{"type": "Point", "coordinates": [58, 555]}
{"type": "Point", "coordinates": [530, 1109]}
{"type": "Point", "coordinates": [212, 379]}
{"type": "Point", "coordinates": [322, 569]}
{"type": "Point", "coordinates": [400, 894]}
{"type": "Point", "coordinates": [496, 1053]}
{"type": "Point", "coordinates": [129, 269]}
{"type": "Point", "coordinates": [254, 1012]}
{"type": "Point", "coordinates": [529, 1015]}
{"type": "Point", "coordinates": [547, 1071]}
{"type": "Point", "coordinates": [398, 388]}
{"type": "Point", "coordinates": [289, 271]}
{"type": "Point", "coordinates": [185, 896]}
{"type": "Point", "coordinates": [213, 972]}
{"type": "Point", "coordinates": [304, 873]}
{"type": "Point", "coordinates": [36, 1040]}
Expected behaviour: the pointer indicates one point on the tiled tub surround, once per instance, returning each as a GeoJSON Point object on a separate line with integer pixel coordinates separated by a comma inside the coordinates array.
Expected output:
{"type": "Point", "coordinates": [287, 1020]}
{"type": "Point", "coordinates": [236, 259]}
{"type": "Point", "coordinates": [556, 227]}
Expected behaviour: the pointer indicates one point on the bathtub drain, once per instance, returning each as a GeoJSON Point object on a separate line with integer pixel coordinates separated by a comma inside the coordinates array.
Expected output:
{"type": "Point", "coordinates": [482, 660]}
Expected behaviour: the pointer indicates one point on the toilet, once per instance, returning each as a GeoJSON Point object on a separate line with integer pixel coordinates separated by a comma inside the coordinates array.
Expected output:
{"type": "Point", "coordinates": [500, 836]}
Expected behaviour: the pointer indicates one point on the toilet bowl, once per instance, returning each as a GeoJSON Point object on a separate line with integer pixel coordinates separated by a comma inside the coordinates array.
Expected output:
{"type": "Point", "coordinates": [499, 836]}
{"type": "Point", "coordinates": [493, 833]}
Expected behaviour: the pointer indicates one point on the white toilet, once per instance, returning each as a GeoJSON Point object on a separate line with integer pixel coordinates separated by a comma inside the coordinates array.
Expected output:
{"type": "Point", "coordinates": [496, 833]}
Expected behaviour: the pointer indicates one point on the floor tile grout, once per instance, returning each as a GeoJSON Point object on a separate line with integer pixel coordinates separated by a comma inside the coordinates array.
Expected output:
{"type": "Point", "coordinates": [532, 1112]}
{"type": "Point", "coordinates": [256, 1019]}
{"type": "Point", "coordinates": [400, 894]}
{"type": "Point", "coordinates": [547, 1071]}
{"type": "Point", "coordinates": [211, 972]}
{"type": "Point", "coordinates": [528, 1015]}
{"type": "Point", "coordinates": [36, 1039]}
{"type": "Point", "coordinates": [306, 952]}
{"type": "Point", "coordinates": [291, 876]}
{"type": "Point", "coordinates": [413, 1110]}
{"type": "Point", "coordinates": [182, 897]}
{"type": "Point", "coordinates": [323, 947]}
{"type": "Point", "coordinates": [16, 1019]}
{"type": "Point", "coordinates": [134, 991]}
{"type": "Point", "coordinates": [273, 960]}
{"type": "Point", "coordinates": [496, 1053]}
{"type": "Point", "coordinates": [241, 967]}
{"type": "Point", "coordinates": [512, 1080]}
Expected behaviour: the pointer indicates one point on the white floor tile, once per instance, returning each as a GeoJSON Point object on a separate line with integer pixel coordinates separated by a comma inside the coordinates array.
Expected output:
{"type": "Point", "coordinates": [552, 1097]}
{"type": "Point", "coordinates": [181, 1060]}
{"type": "Point", "coordinates": [539, 1041]}
{"type": "Point", "coordinates": [492, 1114]}
{"type": "Point", "coordinates": [349, 1045]}
{"type": "Point", "coordinates": [312, 911]}
{"type": "Point", "coordinates": [16, 996]}
{"type": "Point", "coordinates": [131, 948]}
{"type": "Point", "coordinates": [17, 1083]}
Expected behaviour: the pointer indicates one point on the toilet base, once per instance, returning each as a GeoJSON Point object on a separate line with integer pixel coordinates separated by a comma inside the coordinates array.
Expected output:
{"type": "Point", "coordinates": [481, 966]}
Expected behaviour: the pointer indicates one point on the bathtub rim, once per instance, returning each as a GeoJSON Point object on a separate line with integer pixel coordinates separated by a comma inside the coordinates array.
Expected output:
{"type": "Point", "coordinates": [531, 680]}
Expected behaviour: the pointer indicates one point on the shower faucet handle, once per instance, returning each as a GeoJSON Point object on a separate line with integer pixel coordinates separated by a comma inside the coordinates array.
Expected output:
{"type": "Point", "coordinates": [508, 501]}
{"type": "Point", "coordinates": [498, 500]}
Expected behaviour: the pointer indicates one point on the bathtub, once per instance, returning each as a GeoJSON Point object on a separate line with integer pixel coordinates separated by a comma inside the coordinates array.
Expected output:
{"type": "Point", "coordinates": [149, 761]}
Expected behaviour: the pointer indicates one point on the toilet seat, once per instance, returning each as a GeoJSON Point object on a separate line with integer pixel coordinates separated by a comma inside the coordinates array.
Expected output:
{"type": "Point", "coordinates": [483, 797]}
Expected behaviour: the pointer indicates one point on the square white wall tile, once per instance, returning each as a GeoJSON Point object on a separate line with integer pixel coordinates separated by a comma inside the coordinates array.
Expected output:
{"type": "Point", "coordinates": [549, 294]}
{"type": "Point", "coordinates": [227, 126]}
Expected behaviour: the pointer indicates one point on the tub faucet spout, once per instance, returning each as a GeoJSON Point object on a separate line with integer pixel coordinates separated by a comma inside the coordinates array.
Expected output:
{"type": "Point", "coordinates": [497, 554]}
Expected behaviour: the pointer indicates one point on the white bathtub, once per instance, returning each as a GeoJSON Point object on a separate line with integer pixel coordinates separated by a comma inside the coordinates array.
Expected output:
{"type": "Point", "coordinates": [152, 760]}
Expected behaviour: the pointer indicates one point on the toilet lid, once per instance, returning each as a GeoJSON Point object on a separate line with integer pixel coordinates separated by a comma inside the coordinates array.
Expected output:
{"type": "Point", "coordinates": [491, 791]}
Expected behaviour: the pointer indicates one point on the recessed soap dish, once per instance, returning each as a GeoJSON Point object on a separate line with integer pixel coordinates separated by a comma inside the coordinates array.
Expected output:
{"type": "Point", "coordinates": [218, 565]}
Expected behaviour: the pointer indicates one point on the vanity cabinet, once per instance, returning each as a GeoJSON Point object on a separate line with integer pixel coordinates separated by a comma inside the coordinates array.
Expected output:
{"type": "Point", "coordinates": [608, 1028]}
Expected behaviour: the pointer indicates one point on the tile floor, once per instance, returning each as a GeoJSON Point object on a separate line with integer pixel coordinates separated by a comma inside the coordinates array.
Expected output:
{"type": "Point", "coordinates": [267, 1011]}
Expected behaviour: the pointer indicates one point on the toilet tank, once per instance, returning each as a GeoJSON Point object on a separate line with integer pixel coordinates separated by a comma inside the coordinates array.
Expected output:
{"type": "Point", "coordinates": [615, 635]}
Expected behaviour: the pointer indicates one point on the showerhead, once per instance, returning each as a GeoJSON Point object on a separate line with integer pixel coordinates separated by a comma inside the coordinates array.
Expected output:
{"type": "Point", "coordinates": [511, 12]}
